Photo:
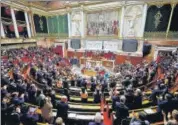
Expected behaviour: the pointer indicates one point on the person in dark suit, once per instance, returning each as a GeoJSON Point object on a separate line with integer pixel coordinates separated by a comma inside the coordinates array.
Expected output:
{"type": "Point", "coordinates": [129, 98]}
{"type": "Point", "coordinates": [122, 111]}
{"type": "Point", "coordinates": [97, 96]}
{"type": "Point", "coordinates": [4, 91]}
{"type": "Point", "coordinates": [93, 86]}
{"type": "Point", "coordinates": [3, 111]}
{"type": "Point", "coordinates": [138, 99]}
{"type": "Point", "coordinates": [126, 82]}
{"type": "Point", "coordinates": [14, 118]}
{"type": "Point", "coordinates": [29, 117]}
{"type": "Point", "coordinates": [115, 98]}
{"type": "Point", "coordinates": [166, 105]}
{"type": "Point", "coordinates": [62, 109]}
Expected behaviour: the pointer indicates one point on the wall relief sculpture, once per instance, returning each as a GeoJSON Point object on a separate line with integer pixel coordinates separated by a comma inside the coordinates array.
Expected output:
{"type": "Point", "coordinates": [76, 20]}
{"type": "Point", "coordinates": [133, 21]}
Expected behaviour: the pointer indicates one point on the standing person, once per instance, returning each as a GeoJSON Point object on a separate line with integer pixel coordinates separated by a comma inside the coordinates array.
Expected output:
{"type": "Point", "coordinates": [3, 111]}
{"type": "Point", "coordinates": [14, 118]}
{"type": "Point", "coordinates": [97, 96]}
{"type": "Point", "coordinates": [122, 111]}
{"type": "Point", "coordinates": [84, 95]}
{"type": "Point", "coordinates": [138, 99]}
{"type": "Point", "coordinates": [62, 109]}
{"type": "Point", "coordinates": [46, 110]}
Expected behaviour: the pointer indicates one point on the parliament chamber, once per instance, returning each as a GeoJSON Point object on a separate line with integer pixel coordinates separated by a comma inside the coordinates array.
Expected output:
{"type": "Point", "coordinates": [89, 62]}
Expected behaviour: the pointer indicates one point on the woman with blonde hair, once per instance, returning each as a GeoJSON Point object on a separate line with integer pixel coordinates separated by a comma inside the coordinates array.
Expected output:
{"type": "Point", "coordinates": [46, 110]}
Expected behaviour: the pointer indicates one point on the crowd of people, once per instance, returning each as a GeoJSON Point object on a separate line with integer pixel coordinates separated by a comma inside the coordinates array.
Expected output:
{"type": "Point", "coordinates": [34, 76]}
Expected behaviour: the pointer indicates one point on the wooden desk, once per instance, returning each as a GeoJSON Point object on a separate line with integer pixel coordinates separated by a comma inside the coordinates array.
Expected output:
{"type": "Point", "coordinates": [90, 72]}
{"type": "Point", "coordinates": [104, 62]}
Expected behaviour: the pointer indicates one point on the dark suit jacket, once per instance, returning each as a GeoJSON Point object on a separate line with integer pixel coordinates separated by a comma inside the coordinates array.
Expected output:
{"type": "Point", "coordinates": [62, 109]}
{"type": "Point", "coordinates": [122, 111]}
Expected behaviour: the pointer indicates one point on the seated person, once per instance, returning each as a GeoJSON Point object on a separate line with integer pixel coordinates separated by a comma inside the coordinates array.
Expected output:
{"type": "Point", "coordinates": [173, 121]}
{"type": "Point", "coordinates": [84, 95]}
{"type": "Point", "coordinates": [141, 120]}
{"type": "Point", "coordinates": [97, 120]}
{"type": "Point", "coordinates": [59, 121]}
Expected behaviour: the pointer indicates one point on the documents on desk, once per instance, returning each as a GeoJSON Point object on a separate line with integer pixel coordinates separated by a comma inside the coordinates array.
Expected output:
{"type": "Point", "coordinates": [74, 89]}
{"type": "Point", "coordinates": [72, 116]}
{"type": "Point", "coordinates": [149, 111]}
{"type": "Point", "coordinates": [85, 117]}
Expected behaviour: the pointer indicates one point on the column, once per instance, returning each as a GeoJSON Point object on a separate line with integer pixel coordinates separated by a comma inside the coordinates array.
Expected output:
{"type": "Point", "coordinates": [28, 25]}
{"type": "Point", "coordinates": [122, 22]}
{"type": "Point", "coordinates": [69, 25]}
{"type": "Point", "coordinates": [2, 31]}
{"type": "Point", "coordinates": [144, 19]}
{"type": "Point", "coordinates": [69, 47]}
{"type": "Point", "coordinates": [82, 22]}
{"type": "Point", "coordinates": [31, 22]}
{"type": "Point", "coordinates": [170, 19]}
{"type": "Point", "coordinates": [15, 23]}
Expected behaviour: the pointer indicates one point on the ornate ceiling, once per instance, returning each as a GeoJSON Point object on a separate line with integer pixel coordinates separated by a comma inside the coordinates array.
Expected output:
{"type": "Point", "coordinates": [54, 5]}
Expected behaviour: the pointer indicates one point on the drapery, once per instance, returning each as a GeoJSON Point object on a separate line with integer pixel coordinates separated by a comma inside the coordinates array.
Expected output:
{"type": "Point", "coordinates": [174, 26]}
{"type": "Point", "coordinates": [58, 24]}
{"type": "Point", "coordinates": [40, 23]}
{"type": "Point", "coordinates": [157, 18]}
{"type": "Point", "coordinates": [59, 50]}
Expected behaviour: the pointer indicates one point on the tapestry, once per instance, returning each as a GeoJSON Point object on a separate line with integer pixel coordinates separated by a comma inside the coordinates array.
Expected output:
{"type": "Point", "coordinates": [76, 23]}
{"type": "Point", "coordinates": [174, 21]}
{"type": "Point", "coordinates": [40, 23]}
{"type": "Point", "coordinates": [157, 18]}
{"type": "Point", "coordinates": [112, 45]}
{"type": "Point", "coordinates": [133, 21]}
{"type": "Point", "coordinates": [58, 24]}
{"type": "Point", "coordinates": [103, 23]}
{"type": "Point", "coordinates": [94, 45]}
